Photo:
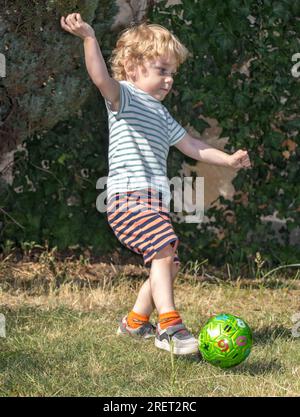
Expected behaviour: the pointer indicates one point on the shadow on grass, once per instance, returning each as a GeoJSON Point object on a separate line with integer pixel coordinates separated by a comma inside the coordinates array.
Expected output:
{"type": "Point", "coordinates": [252, 368]}
{"type": "Point", "coordinates": [22, 361]}
{"type": "Point", "coordinates": [194, 358]}
{"type": "Point", "coordinates": [258, 367]}
{"type": "Point", "coordinates": [267, 334]}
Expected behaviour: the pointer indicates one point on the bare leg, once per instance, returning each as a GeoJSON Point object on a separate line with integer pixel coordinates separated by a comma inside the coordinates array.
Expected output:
{"type": "Point", "coordinates": [161, 280]}
{"type": "Point", "coordinates": [144, 304]}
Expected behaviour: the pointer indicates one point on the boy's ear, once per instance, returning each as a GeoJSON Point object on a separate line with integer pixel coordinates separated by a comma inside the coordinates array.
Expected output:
{"type": "Point", "coordinates": [129, 68]}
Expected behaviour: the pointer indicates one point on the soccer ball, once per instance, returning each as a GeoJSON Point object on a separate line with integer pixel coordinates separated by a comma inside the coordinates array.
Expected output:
{"type": "Point", "coordinates": [225, 340]}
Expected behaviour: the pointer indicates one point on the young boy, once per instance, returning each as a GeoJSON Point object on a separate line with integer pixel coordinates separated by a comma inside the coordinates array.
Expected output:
{"type": "Point", "coordinates": [141, 130]}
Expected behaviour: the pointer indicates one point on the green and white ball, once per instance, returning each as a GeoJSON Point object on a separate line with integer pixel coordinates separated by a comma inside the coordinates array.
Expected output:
{"type": "Point", "coordinates": [225, 340]}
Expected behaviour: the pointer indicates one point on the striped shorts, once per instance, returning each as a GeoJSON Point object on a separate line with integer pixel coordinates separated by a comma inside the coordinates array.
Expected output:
{"type": "Point", "coordinates": [142, 223]}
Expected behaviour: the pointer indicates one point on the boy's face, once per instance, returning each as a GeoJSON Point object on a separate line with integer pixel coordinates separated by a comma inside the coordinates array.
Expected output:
{"type": "Point", "coordinates": [155, 77]}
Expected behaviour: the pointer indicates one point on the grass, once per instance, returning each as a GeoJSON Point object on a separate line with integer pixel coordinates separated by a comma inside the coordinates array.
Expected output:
{"type": "Point", "coordinates": [61, 321]}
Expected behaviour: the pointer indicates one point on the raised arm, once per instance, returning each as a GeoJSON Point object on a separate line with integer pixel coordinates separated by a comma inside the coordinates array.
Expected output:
{"type": "Point", "coordinates": [95, 64]}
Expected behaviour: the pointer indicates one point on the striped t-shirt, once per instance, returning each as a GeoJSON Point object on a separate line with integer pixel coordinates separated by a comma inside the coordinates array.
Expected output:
{"type": "Point", "coordinates": [140, 135]}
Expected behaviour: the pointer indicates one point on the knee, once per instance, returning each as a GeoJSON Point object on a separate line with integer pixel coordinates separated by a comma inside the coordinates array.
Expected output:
{"type": "Point", "coordinates": [167, 254]}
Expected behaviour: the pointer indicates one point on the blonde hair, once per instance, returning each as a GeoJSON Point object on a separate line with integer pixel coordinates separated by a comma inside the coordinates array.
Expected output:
{"type": "Point", "coordinates": [145, 42]}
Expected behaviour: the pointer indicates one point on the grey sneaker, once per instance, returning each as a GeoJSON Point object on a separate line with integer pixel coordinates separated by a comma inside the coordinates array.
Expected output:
{"type": "Point", "coordinates": [145, 331]}
{"type": "Point", "coordinates": [177, 338]}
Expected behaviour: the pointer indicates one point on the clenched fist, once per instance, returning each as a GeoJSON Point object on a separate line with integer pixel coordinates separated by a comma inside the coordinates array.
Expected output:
{"type": "Point", "coordinates": [240, 159]}
{"type": "Point", "coordinates": [75, 25]}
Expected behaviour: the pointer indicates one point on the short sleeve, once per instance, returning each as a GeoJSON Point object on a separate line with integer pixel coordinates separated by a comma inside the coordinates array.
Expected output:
{"type": "Point", "coordinates": [176, 131]}
{"type": "Point", "coordinates": [125, 99]}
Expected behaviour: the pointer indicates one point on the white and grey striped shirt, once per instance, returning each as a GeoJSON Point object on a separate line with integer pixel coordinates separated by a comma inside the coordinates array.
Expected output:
{"type": "Point", "coordinates": [140, 135]}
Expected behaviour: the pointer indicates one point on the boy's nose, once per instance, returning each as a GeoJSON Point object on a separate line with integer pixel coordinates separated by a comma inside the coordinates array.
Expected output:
{"type": "Point", "coordinates": [169, 79]}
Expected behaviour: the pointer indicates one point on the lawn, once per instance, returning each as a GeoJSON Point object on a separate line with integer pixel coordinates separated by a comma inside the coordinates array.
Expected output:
{"type": "Point", "coordinates": [61, 320]}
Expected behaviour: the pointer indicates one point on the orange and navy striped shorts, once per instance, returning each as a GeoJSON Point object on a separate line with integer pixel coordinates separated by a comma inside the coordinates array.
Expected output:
{"type": "Point", "coordinates": [141, 222]}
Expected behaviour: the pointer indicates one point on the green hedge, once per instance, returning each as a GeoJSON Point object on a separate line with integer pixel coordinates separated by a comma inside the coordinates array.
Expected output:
{"type": "Point", "coordinates": [259, 111]}
{"type": "Point", "coordinates": [46, 78]}
{"type": "Point", "coordinates": [53, 197]}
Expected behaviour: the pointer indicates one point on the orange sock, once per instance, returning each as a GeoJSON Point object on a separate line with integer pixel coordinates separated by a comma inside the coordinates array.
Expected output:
{"type": "Point", "coordinates": [135, 320]}
{"type": "Point", "coordinates": [169, 319]}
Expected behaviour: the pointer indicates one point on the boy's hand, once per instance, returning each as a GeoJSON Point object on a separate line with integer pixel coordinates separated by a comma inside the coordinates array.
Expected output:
{"type": "Point", "coordinates": [75, 25]}
{"type": "Point", "coordinates": [240, 159]}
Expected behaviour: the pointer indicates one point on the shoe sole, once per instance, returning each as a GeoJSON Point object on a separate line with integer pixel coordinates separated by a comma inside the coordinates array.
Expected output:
{"type": "Point", "coordinates": [187, 350]}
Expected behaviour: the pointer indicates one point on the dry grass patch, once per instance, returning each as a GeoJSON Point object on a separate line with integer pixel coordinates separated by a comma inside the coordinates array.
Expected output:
{"type": "Point", "coordinates": [61, 321]}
